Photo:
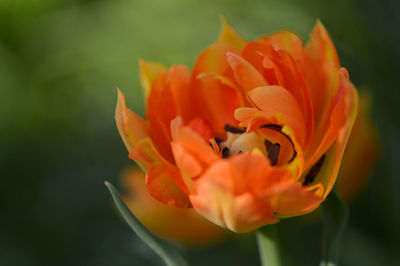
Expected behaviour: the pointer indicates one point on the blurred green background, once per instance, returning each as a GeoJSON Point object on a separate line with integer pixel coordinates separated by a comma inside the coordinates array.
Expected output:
{"type": "Point", "coordinates": [60, 64]}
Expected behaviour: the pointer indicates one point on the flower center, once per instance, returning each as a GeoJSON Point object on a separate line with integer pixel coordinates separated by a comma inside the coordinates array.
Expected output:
{"type": "Point", "coordinates": [238, 141]}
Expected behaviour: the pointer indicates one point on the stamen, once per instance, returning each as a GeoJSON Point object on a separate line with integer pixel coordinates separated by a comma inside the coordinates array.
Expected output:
{"type": "Point", "coordinates": [268, 144]}
{"type": "Point", "coordinates": [273, 153]}
{"type": "Point", "coordinates": [225, 152]}
{"type": "Point", "coordinates": [214, 145]}
{"type": "Point", "coordinates": [314, 171]}
{"type": "Point", "coordinates": [279, 129]}
{"type": "Point", "coordinates": [235, 130]}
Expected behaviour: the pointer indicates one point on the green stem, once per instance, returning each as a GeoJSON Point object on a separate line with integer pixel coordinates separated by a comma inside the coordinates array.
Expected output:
{"type": "Point", "coordinates": [267, 240]}
{"type": "Point", "coordinates": [167, 252]}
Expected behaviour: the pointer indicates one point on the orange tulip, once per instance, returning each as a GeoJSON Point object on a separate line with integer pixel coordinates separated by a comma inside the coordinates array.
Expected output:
{"type": "Point", "coordinates": [360, 156]}
{"type": "Point", "coordinates": [183, 225]}
{"type": "Point", "coordinates": [255, 133]}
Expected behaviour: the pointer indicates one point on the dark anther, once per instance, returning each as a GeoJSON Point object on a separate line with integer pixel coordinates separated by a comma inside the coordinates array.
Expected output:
{"type": "Point", "coordinates": [218, 141]}
{"type": "Point", "coordinates": [267, 144]}
{"type": "Point", "coordinates": [279, 129]}
{"type": "Point", "coordinates": [236, 130]}
{"type": "Point", "coordinates": [273, 153]}
{"type": "Point", "coordinates": [314, 171]}
{"type": "Point", "coordinates": [225, 152]}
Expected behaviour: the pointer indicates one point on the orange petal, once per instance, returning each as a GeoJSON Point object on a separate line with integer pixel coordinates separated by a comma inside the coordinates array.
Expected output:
{"type": "Point", "coordinates": [147, 156]}
{"type": "Point", "coordinates": [188, 165]}
{"type": "Point", "coordinates": [319, 79]}
{"type": "Point", "coordinates": [320, 47]}
{"type": "Point", "coordinates": [290, 199]}
{"type": "Point", "coordinates": [216, 200]}
{"type": "Point", "coordinates": [245, 74]}
{"type": "Point", "coordinates": [216, 101]}
{"type": "Point", "coordinates": [244, 192]}
{"type": "Point", "coordinates": [201, 127]}
{"type": "Point", "coordinates": [295, 84]}
{"type": "Point", "coordinates": [273, 100]}
{"type": "Point", "coordinates": [130, 126]}
{"type": "Point", "coordinates": [279, 68]}
{"type": "Point", "coordinates": [175, 97]}
{"type": "Point", "coordinates": [229, 36]}
{"type": "Point", "coordinates": [296, 165]}
{"type": "Point", "coordinates": [333, 157]}
{"type": "Point", "coordinates": [288, 41]}
{"type": "Point", "coordinates": [178, 224]}
{"type": "Point", "coordinates": [256, 53]}
{"type": "Point", "coordinates": [245, 114]}
{"type": "Point", "coordinates": [320, 67]}
{"type": "Point", "coordinates": [331, 119]}
{"type": "Point", "coordinates": [170, 96]}
{"type": "Point", "coordinates": [143, 153]}
{"type": "Point", "coordinates": [159, 180]}
{"type": "Point", "coordinates": [193, 143]}
{"type": "Point", "coordinates": [164, 180]}
{"type": "Point", "coordinates": [284, 195]}
{"type": "Point", "coordinates": [213, 60]}
{"type": "Point", "coordinates": [179, 83]}
{"type": "Point", "coordinates": [148, 72]}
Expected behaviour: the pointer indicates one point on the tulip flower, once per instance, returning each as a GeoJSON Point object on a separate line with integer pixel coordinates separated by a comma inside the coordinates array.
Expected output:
{"type": "Point", "coordinates": [253, 134]}
{"type": "Point", "coordinates": [183, 225]}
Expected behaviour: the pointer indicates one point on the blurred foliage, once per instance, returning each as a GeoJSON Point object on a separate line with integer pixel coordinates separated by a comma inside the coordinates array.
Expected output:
{"type": "Point", "coordinates": [60, 64]}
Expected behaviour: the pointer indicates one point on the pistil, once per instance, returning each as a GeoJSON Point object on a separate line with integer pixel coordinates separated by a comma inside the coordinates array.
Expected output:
{"type": "Point", "coordinates": [273, 153]}
{"type": "Point", "coordinates": [235, 130]}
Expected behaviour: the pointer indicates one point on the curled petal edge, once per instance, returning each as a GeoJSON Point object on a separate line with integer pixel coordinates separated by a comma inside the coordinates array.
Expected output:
{"type": "Point", "coordinates": [131, 127]}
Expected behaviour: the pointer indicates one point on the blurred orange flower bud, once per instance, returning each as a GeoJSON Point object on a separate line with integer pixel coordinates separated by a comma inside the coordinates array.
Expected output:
{"type": "Point", "coordinates": [255, 133]}
{"type": "Point", "coordinates": [185, 226]}
{"type": "Point", "coordinates": [361, 154]}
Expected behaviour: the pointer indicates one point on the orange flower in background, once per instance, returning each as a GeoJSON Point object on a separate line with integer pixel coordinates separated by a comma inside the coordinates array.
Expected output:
{"type": "Point", "coordinates": [361, 154]}
{"type": "Point", "coordinates": [183, 225]}
{"type": "Point", "coordinates": [255, 133]}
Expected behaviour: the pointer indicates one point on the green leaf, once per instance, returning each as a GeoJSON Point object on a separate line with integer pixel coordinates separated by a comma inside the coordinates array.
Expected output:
{"type": "Point", "coordinates": [336, 214]}
{"type": "Point", "coordinates": [167, 252]}
{"type": "Point", "coordinates": [267, 240]}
